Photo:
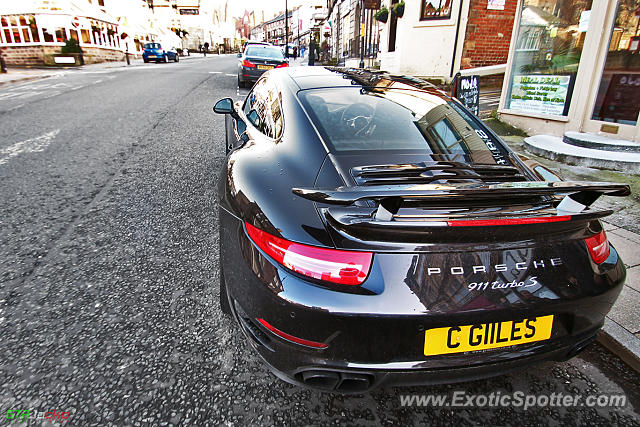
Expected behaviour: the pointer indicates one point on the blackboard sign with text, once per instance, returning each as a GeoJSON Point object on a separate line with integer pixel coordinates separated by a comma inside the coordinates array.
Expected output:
{"type": "Point", "coordinates": [467, 91]}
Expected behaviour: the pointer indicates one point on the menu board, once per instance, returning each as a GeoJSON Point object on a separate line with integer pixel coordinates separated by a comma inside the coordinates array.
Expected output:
{"type": "Point", "coordinates": [468, 92]}
{"type": "Point", "coordinates": [541, 94]}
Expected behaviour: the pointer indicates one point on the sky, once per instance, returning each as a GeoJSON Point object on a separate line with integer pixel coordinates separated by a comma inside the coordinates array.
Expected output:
{"type": "Point", "coordinates": [271, 7]}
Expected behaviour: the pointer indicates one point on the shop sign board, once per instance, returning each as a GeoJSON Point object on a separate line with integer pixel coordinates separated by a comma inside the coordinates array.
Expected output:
{"type": "Point", "coordinates": [540, 94]}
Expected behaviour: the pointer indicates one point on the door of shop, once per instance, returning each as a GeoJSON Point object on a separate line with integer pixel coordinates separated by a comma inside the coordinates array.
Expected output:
{"type": "Point", "coordinates": [615, 99]}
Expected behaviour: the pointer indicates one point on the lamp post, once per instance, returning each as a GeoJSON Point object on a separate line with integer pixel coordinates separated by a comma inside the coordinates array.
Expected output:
{"type": "Point", "coordinates": [362, 34]}
{"type": "Point", "coordinates": [286, 29]}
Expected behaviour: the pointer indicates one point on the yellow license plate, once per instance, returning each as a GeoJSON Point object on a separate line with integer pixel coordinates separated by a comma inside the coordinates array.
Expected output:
{"type": "Point", "coordinates": [265, 67]}
{"type": "Point", "coordinates": [152, 56]}
{"type": "Point", "coordinates": [483, 336]}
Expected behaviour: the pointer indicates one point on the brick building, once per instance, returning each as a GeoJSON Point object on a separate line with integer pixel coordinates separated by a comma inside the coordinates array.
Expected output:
{"type": "Point", "coordinates": [488, 34]}
{"type": "Point", "coordinates": [437, 38]}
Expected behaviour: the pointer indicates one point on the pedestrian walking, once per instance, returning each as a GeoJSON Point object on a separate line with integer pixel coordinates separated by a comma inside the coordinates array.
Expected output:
{"type": "Point", "coordinates": [206, 48]}
{"type": "Point", "coordinates": [3, 66]}
{"type": "Point", "coordinates": [312, 53]}
{"type": "Point", "coordinates": [302, 49]}
{"type": "Point", "coordinates": [295, 53]}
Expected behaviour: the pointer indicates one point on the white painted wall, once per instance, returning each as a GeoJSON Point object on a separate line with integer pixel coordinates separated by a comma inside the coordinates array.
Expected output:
{"type": "Point", "coordinates": [423, 48]}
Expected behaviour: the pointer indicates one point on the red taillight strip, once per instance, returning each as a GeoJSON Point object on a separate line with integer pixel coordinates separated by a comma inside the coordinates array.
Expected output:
{"type": "Point", "coordinates": [282, 65]}
{"type": "Point", "coordinates": [506, 221]}
{"type": "Point", "coordinates": [327, 265]}
{"type": "Point", "coordinates": [248, 64]}
{"type": "Point", "coordinates": [291, 338]}
{"type": "Point", "coordinates": [598, 247]}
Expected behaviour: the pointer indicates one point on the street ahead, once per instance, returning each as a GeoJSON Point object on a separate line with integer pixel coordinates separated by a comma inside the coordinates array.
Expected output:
{"type": "Point", "coordinates": [109, 271]}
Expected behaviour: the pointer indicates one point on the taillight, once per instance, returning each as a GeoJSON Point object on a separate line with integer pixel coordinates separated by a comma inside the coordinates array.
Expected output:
{"type": "Point", "coordinates": [248, 64]}
{"type": "Point", "coordinates": [284, 64]}
{"type": "Point", "coordinates": [598, 246]}
{"type": "Point", "coordinates": [328, 265]}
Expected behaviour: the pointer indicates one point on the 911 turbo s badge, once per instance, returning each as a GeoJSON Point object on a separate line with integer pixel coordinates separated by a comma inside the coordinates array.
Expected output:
{"type": "Point", "coordinates": [460, 270]}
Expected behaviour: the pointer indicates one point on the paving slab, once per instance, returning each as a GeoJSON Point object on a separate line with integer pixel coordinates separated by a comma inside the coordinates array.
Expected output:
{"type": "Point", "coordinates": [633, 278]}
{"type": "Point", "coordinates": [625, 311]}
{"type": "Point", "coordinates": [627, 248]}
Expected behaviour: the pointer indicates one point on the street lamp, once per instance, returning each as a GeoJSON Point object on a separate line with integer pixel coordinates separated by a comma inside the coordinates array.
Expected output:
{"type": "Point", "coordinates": [286, 29]}
{"type": "Point", "coordinates": [362, 19]}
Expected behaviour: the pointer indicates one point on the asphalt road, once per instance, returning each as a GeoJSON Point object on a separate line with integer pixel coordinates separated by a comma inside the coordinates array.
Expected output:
{"type": "Point", "coordinates": [109, 272]}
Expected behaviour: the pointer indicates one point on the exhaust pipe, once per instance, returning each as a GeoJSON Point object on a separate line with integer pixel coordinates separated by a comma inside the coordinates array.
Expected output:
{"type": "Point", "coordinates": [352, 383]}
{"type": "Point", "coordinates": [325, 380]}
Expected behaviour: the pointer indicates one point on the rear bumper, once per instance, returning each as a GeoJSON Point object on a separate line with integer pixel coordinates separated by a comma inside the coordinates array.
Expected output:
{"type": "Point", "coordinates": [376, 338]}
{"type": "Point", "coordinates": [250, 74]}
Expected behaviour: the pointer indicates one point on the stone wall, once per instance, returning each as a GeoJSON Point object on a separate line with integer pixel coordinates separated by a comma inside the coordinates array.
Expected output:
{"type": "Point", "coordinates": [43, 55]}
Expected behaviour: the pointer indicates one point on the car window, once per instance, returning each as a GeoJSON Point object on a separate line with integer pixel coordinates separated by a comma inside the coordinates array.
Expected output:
{"type": "Point", "coordinates": [264, 52]}
{"type": "Point", "coordinates": [152, 46]}
{"type": "Point", "coordinates": [353, 119]}
{"type": "Point", "coordinates": [263, 108]}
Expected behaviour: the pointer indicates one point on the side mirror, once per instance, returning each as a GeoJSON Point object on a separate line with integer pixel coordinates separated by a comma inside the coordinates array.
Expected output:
{"type": "Point", "coordinates": [239, 55]}
{"type": "Point", "coordinates": [224, 106]}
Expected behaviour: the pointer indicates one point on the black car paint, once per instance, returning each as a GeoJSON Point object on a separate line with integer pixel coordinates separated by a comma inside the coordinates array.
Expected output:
{"type": "Point", "coordinates": [377, 332]}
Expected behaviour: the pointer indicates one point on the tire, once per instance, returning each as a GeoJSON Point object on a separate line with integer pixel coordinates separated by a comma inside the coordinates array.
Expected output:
{"type": "Point", "coordinates": [240, 82]}
{"type": "Point", "coordinates": [177, 58]}
{"type": "Point", "coordinates": [146, 61]}
{"type": "Point", "coordinates": [225, 307]}
{"type": "Point", "coordinates": [165, 59]}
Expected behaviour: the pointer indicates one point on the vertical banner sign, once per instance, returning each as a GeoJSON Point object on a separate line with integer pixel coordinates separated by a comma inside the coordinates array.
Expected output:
{"type": "Point", "coordinates": [468, 92]}
{"type": "Point", "coordinates": [541, 94]}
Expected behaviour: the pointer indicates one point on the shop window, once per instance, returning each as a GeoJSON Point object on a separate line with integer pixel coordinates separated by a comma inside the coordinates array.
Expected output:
{"type": "Point", "coordinates": [435, 9]}
{"type": "Point", "coordinates": [23, 21]}
{"type": "Point", "coordinates": [548, 50]}
{"type": "Point", "coordinates": [61, 35]}
{"type": "Point", "coordinates": [48, 37]}
{"type": "Point", "coordinates": [16, 35]}
{"type": "Point", "coordinates": [73, 34]}
{"type": "Point", "coordinates": [3, 22]}
{"type": "Point", "coordinates": [618, 98]}
{"type": "Point", "coordinates": [25, 35]}
{"type": "Point", "coordinates": [86, 36]}
{"type": "Point", "coordinates": [7, 35]}
{"type": "Point", "coordinates": [35, 37]}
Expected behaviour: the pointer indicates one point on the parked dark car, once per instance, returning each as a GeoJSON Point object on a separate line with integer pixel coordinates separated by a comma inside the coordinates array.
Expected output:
{"type": "Point", "coordinates": [155, 52]}
{"type": "Point", "coordinates": [374, 232]}
{"type": "Point", "coordinates": [257, 59]}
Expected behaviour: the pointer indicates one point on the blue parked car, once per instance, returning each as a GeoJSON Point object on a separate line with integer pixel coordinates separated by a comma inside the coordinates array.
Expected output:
{"type": "Point", "coordinates": [155, 52]}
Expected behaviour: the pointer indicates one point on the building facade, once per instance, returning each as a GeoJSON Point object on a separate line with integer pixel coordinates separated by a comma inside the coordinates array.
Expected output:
{"type": "Point", "coordinates": [32, 32]}
{"type": "Point", "coordinates": [452, 35]}
{"type": "Point", "coordinates": [574, 65]}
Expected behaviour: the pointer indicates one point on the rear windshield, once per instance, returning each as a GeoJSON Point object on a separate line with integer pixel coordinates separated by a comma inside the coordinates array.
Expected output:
{"type": "Point", "coordinates": [355, 119]}
{"type": "Point", "coordinates": [152, 46]}
{"type": "Point", "coordinates": [264, 52]}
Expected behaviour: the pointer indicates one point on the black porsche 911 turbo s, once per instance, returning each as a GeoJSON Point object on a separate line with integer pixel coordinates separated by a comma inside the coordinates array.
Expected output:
{"type": "Point", "coordinates": [374, 232]}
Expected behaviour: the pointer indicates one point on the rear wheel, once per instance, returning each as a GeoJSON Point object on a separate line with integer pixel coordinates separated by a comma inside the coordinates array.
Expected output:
{"type": "Point", "coordinates": [145, 60]}
{"type": "Point", "coordinates": [177, 58]}
{"type": "Point", "coordinates": [166, 58]}
{"type": "Point", "coordinates": [240, 82]}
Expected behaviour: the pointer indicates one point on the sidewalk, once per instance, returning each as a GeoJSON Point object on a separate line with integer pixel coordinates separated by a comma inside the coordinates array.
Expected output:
{"type": "Point", "coordinates": [621, 331]}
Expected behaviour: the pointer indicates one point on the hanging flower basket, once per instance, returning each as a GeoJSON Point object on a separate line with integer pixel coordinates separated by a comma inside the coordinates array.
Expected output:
{"type": "Point", "coordinates": [398, 9]}
{"type": "Point", "coordinates": [382, 15]}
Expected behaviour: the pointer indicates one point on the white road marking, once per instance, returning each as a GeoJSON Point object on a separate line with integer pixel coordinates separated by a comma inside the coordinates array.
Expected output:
{"type": "Point", "coordinates": [230, 75]}
{"type": "Point", "coordinates": [215, 72]}
{"type": "Point", "coordinates": [32, 145]}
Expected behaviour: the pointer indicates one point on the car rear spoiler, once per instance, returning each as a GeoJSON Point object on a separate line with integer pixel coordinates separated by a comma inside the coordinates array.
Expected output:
{"type": "Point", "coordinates": [578, 195]}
